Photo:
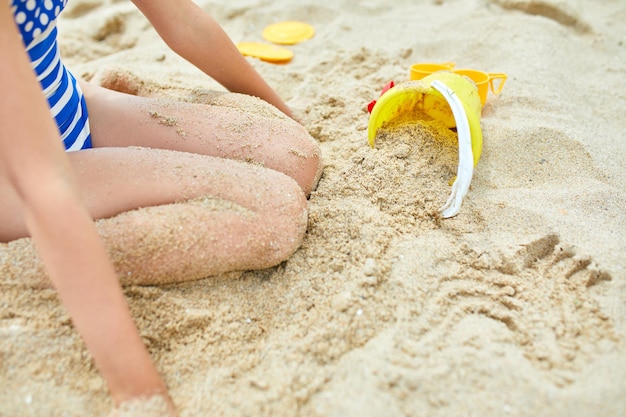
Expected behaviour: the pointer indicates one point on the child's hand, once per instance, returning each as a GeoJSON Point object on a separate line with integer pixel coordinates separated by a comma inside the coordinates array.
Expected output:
{"type": "Point", "coordinates": [156, 406]}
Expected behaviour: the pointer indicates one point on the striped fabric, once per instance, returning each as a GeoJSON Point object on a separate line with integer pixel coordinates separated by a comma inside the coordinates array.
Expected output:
{"type": "Point", "coordinates": [37, 24]}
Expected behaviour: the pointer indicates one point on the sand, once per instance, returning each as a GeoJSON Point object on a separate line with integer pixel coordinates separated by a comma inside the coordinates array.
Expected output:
{"type": "Point", "coordinates": [516, 307]}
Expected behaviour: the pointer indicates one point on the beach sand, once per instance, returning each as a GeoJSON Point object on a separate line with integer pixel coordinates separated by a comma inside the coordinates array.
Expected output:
{"type": "Point", "coordinates": [515, 307]}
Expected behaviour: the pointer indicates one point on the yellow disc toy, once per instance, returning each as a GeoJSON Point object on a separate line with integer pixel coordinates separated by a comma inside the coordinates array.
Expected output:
{"type": "Point", "coordinates": [265, 52]}
{"type": "Point", "coordinates": [288, 33]}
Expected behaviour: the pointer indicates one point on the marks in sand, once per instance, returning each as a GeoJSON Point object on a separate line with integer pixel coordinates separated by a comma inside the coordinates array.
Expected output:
{"type": "Point", "coordinates": [560, 12]}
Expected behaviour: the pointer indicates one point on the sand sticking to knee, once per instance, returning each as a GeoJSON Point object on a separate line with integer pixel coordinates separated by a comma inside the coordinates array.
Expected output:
{"type": "Point", "coordinates": [515, 307]}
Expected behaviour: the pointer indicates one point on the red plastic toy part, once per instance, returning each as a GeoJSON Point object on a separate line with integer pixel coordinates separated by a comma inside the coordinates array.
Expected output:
{"type": "Point", "coordinates": [372, 103]}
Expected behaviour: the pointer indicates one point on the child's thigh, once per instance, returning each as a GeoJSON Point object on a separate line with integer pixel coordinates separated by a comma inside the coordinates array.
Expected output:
{"type": "Point", "coordinates": [240, 128]}
{"type": "Point", "coordinates": [113, 180]}
{"type": "Point", "coordinates": [116, 180]}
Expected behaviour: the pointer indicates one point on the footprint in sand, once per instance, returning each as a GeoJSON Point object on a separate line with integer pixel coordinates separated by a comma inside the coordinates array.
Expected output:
{"type": "Point", "coordinates": [539, 291]}
{"type": "Point", "coordinates": [92, 29]}
{"type": "Point", "coordinates": [550, 9]}
{"type": "Point", "coordinates": [76, 9]}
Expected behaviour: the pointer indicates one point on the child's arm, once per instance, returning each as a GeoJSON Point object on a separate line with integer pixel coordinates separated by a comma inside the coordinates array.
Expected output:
{"type": "Point", "coordinates": [198, 38]}
{"type": "Point", "coordinates": [34, 162]}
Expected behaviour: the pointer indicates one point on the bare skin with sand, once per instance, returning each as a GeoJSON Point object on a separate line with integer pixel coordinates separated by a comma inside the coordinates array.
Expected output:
{"type": "Point", "coordinates": [149, 152]}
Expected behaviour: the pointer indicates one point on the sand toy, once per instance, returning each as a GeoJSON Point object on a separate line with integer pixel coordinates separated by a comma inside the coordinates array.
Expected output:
{"type": "Point", "coordinates": [483, 80]}
{"type": "Point", "coordinates": [423, 69]}
{"type": "Point", "coordinates": [265, 52]}
{"type": "Point", "coordinates": [283, 33]}
{"type": "Point", "coordinates": [288, 33]}
{"type": "Point", "coordinates": [445, 96]}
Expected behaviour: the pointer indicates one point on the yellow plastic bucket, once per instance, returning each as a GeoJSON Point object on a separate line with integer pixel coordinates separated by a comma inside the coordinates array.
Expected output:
{"type": "Point", "coordinates": [469, 95]}
{"type": "Point", "coordinates": [445, 96]}
{"type": "Point", "coordinates": [407, 98]}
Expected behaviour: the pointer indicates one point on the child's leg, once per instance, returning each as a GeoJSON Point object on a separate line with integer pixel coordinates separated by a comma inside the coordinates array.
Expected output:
{"type": "Point", "coordinates": [252, 132]}
{"type": "Point", "coordinates": [248, 217]}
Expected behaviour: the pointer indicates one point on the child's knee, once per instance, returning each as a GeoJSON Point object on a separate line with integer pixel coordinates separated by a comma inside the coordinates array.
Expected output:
{"type": "Point", "coordinates": [308, 162]}
{"type": "Point", "coordinates": [285, 221]}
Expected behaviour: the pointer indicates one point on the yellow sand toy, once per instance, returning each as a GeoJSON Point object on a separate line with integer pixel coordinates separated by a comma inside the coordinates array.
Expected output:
{"type": "Point", "coordinates": [265, 52]}
{"type": "Point", "coordinates": [282, 33]}
{"type": "Point", "coordinates": [288, 33]}
{"type": "Point", "coordinates": [450, 98]}
{"type": "Point", "coordinates": [483, 80]}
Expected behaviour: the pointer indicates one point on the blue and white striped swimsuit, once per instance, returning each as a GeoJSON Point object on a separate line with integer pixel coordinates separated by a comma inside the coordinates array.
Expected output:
{"type": "Point", "coordinates": [36, 20]}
